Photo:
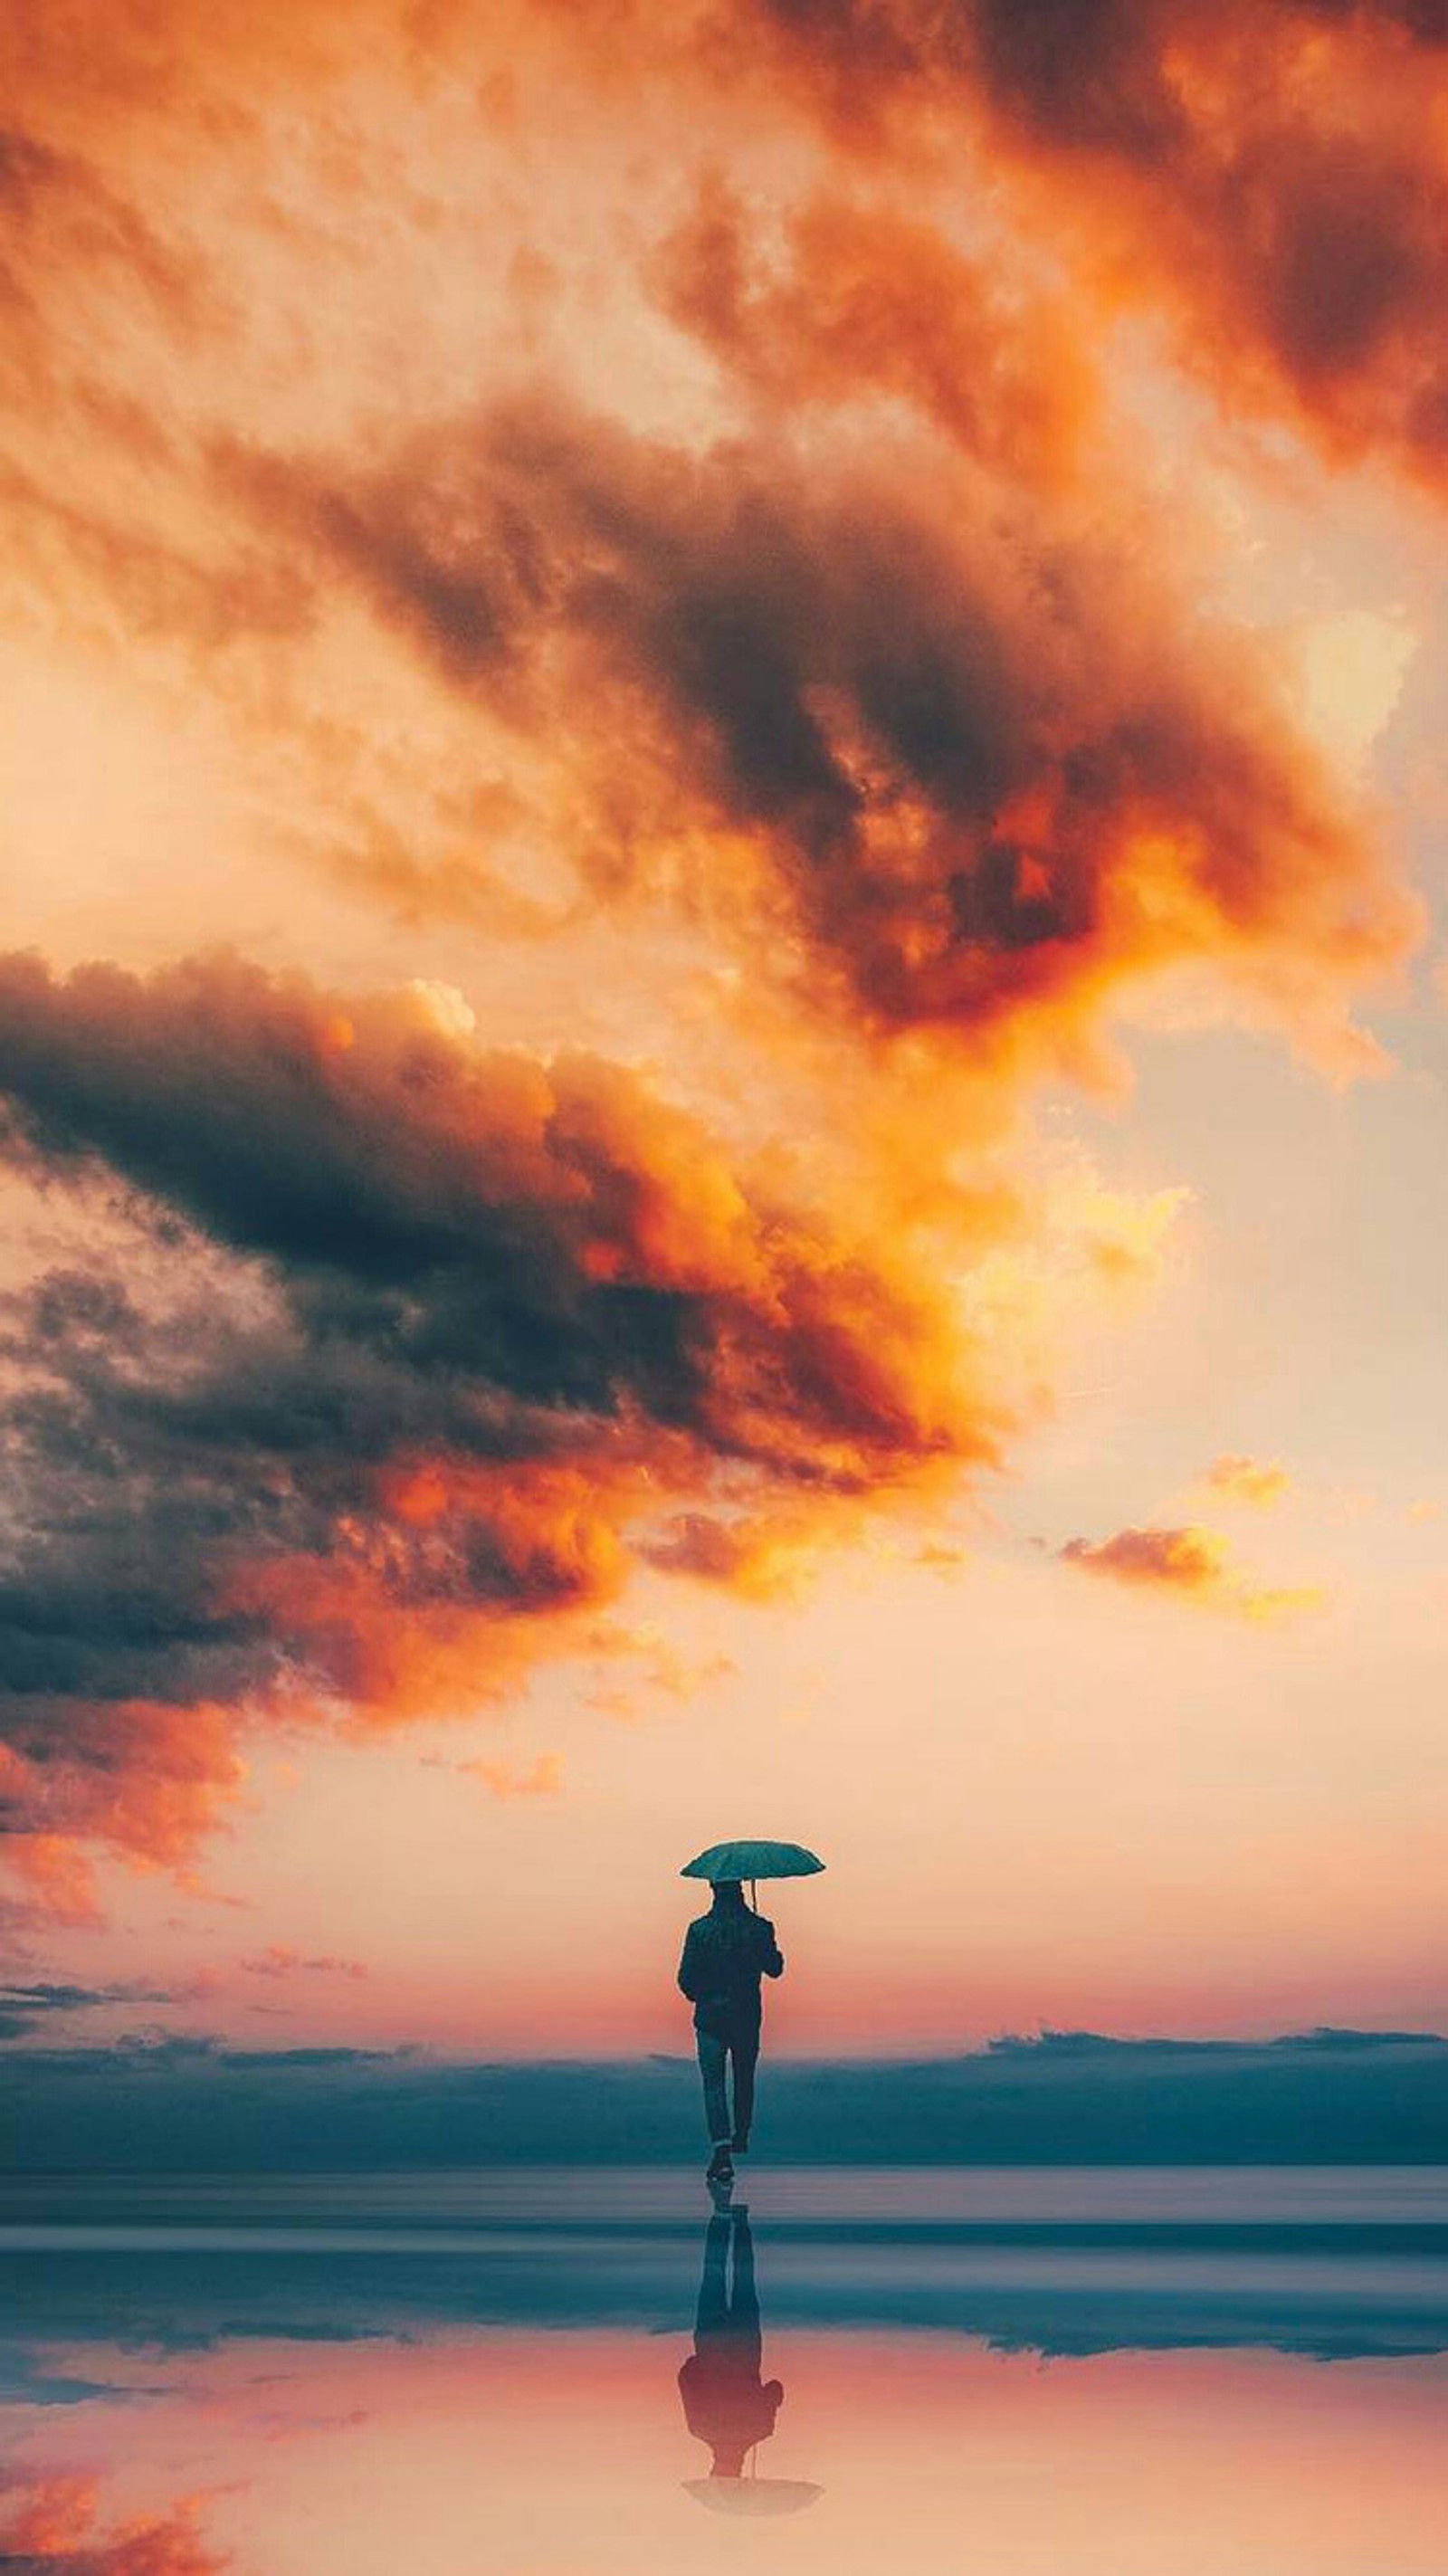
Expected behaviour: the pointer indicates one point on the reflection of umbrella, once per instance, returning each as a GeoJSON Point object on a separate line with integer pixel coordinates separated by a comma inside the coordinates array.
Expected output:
{"type": "Point", "coordinates": [752, 2495]}
{"type": "Point", "coordinates": [753, 1860]}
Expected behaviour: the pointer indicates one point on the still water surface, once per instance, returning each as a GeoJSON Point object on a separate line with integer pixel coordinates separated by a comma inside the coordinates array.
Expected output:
{"type": "Point", "coordinates": [553, 2374]}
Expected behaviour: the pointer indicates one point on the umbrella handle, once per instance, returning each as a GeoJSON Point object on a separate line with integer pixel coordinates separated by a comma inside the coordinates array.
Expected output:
{"type": "Point", "coordinates": [754, 1894]}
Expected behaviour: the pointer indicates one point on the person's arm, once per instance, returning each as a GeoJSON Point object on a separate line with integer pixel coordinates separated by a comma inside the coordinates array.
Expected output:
{"type": "Point", "coordinates": [771, 1957]}
{"type": "Point", "coordinates": [689, 1965]}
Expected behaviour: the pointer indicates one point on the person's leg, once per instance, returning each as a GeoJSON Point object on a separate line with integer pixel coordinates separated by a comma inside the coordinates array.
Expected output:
{"type": "Point", "coordinates": [716, 2104]}
{"type": "Point", "coordinates": [744, 2323]}
{"type": "Point", "coordinates": [745, 2054]}
{"type": "Point", "coordinates": [746, 2337]}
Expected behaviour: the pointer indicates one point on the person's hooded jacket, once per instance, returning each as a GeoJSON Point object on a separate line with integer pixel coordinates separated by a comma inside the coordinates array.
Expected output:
{"type": "Point", "coordinates": [726, 1952]}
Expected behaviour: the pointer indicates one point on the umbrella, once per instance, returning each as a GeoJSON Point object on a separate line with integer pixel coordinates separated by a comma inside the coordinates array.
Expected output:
{"type": "Point", "coordinates": [752, 2495]}
{"type": "Point", "coordinates": [753, 1860]}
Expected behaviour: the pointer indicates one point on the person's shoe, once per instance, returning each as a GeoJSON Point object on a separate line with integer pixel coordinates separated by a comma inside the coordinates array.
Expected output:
{"type": "Point", "coordinates": [720, 2167]}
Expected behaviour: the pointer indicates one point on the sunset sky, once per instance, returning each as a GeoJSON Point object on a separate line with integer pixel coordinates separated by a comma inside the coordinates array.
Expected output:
{"type": "Point", "coordinates": [561, 2446]}
{"type": "Point", "coordinates": [723, 1012]}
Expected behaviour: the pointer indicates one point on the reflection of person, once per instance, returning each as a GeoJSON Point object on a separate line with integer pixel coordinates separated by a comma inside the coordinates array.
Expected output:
{"type": "Point", "coordinates": [726, 1952]}
{"type": "Point", "coordinates": [725, 2402]}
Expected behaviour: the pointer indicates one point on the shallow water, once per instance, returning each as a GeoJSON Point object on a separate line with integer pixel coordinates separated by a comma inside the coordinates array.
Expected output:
{"type": "Point", "coordinates": [1083, 2373]}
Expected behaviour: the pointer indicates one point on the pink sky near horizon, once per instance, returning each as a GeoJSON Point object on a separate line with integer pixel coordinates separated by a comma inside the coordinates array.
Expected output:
{"type": "Point", "coordinates": [566, 2449]}
{"type": "Point", "coordinates": [807, 777]}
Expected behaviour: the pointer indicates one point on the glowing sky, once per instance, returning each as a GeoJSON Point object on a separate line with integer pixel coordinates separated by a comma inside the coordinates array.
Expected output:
{"type": "Point", "coordinates": [722, 1010]}
{"type": "Point", "coordinates": [565, 2446]}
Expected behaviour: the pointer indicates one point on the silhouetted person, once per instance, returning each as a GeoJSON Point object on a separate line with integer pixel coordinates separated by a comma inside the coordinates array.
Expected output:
{"type": "Point", "coordinates": [726, 1952]}
{"type": "Point", "coordinates": [725, 2402]}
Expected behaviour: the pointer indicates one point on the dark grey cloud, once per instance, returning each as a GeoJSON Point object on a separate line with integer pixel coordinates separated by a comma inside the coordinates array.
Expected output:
{"type": "Point", "coordinates": [414, 1330]}
{"type": "Point", "coordinates": [1059, 2044]}
{"type": "Point", "coordinates": [965, 732]}
{"type": "Point", "coordinates": [27, 2008]}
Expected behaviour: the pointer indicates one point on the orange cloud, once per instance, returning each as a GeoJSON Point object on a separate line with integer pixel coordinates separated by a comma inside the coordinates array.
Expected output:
{"type": "Point", "coordinates": [761, 1556]}
{"type": "Point", "coordinates": [53, 1869]}
{"type": "Point", "coordinates": [1257, 1481]}
{"type": "Point", "coordinates": [147, 1779]}
{"type": "Point", "coordinates": [819, 616]}
{"type": "Point", "coordinates": [1193, 1562]}
{"type": "Point", "coordinates": [861, 300]}
{"type": "Point", "coordinates": [450, 1332]}
{"type": "Point", "coordinates": [954, 769]}
{"type": "Point", "coordinates": [50, 2524]}
{"type": "Point", "coordinates": [543, 1779]}
{"type": "Point", "coordinates": [916, 732]}
{"type": "Point", "coordinates": [1270, 180]}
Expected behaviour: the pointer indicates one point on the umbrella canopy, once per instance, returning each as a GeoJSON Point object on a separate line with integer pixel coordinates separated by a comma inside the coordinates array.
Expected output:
{"type": "Point", "coordinates": [752, 1860]}
{"type": "Point", "coordinates": [752, 2495]}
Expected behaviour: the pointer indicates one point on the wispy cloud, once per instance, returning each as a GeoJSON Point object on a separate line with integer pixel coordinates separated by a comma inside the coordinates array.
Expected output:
{"type": "Point", "coordinates": [26, 2009]}
{"type": "Point", "coordinates": [543, 1777]}
{"type": "Point", "coordinates": [1240, 1479]}
{"type": "Point", "coordinates": [278, 1961]}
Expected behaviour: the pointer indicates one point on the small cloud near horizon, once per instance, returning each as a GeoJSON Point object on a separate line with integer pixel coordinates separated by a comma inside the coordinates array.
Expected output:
{"type": "Point", "coordinates": [1195, 1563]}
{"type": "Point", "coordinates": [26, 2007]}
{"type": "Point", "coordinates": [277, 1960]}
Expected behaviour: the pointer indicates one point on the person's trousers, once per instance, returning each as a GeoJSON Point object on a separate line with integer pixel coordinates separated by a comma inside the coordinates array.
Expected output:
{"type": "Point", "coordinates": [737, 2053]}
